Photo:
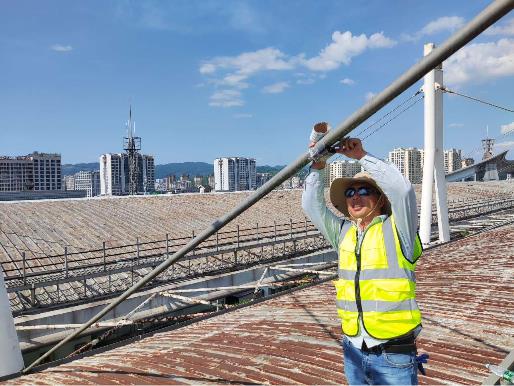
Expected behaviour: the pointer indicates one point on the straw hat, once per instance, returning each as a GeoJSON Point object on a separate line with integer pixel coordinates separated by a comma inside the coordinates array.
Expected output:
{"type": "Point", "coordinates": [339, 186]}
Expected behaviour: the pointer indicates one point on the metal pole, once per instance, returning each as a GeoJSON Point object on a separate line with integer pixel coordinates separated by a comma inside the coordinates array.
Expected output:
{"type": "Point", "coordinates": [192, 238]}
{"type": "Point", "coordinates": [481, 22]}
{"type": "Point", "coordinates": [137, 251]}
{"type": "Point", "coordinates": [24, 269]}
{"type": "Point", "coordinates": [66, 261]}
{"type": "Point", "coordinates": [425, 219]}
{"type": "Point", "coordinates": [105, 257]}
{"type": "Point", "coordinates": [439, 175]}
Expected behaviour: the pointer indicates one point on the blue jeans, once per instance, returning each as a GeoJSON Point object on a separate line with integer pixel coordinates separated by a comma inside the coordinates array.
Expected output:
{"type": "Point", "coordinates": [362, 368]}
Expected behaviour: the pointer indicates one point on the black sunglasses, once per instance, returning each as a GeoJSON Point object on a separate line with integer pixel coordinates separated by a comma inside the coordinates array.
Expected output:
{"type": "Point", "coordinates": [362, 191]}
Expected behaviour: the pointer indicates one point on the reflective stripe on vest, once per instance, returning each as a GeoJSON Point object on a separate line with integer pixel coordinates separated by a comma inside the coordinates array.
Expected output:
{"type": "Point", "coordinates": [383, 287]}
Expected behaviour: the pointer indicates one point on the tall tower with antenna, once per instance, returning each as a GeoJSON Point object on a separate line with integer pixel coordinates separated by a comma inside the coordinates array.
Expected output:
{"type": "Point", "coordinates": [132, 146]}
{"type": "Point", "coordinates": [487, 145]}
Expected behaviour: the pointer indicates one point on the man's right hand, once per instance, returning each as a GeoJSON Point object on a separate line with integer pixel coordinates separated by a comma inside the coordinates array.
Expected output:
{"type": "Point", "coordinates": [352, 148]}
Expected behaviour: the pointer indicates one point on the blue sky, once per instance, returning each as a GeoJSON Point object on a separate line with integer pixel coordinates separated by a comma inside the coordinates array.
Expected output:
{"type": "Point", "coordinates": [219, 78]}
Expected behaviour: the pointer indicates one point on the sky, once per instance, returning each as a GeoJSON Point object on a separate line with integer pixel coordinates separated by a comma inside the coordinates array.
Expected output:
{"type": "Point", "coordinates": [216, 78]}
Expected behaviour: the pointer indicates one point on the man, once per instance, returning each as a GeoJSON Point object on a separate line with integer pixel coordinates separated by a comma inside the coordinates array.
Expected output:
{"type": "Point", "coordinates": [378, 247]}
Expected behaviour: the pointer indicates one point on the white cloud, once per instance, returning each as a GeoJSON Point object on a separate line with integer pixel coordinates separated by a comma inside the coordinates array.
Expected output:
{"type": "Point", "coordinates": [505, 145]}
{"type": "Point", "coordinates": [243, 116]}
{"type": "Point", "coordinates": [234, 73]}
{"type": "Point", "coordinates": [456, 125]}
{"type": "Point", "coordinates": [61, 48]}
{"type": "Point", "coordinates": [226, 98]}
{"type": "Point", "coordinates": [347, 81]}
{"type": "Point", "coordinates": [369, 95]}
{"type": "Point", "coordinates": [207, 68]}
{"type": "Point", "coordinates": [306, 81]}
{"type": "Point", "coordinates": [509, 128]}
{"type": "Point", "coordinates": [506, 28]}
{"type": "Point", "coordinates": [442, 24]}
{"type": "Point", "coordinates": [481, 61]}
{"type": "Point", "coordinates": [249, 63]}
{"type": "Point", "coordinates": [275, 88]}
{"type": "Point", "coordinates": [445, 23]}
{"type": "Point", "coordinates": [343, 48]}
{"type": "Point", "coordinates": [232, 80]}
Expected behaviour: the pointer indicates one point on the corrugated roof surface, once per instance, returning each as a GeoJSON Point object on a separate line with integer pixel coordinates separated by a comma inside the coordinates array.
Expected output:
{"type": "Point", "coordinates": [42, 230]}
{"type": "Point", "coordinates": [465, 290]}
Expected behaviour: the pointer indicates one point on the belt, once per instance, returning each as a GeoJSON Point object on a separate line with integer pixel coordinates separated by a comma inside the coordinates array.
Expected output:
{"type": "Point", "coordinates": [403, 346]}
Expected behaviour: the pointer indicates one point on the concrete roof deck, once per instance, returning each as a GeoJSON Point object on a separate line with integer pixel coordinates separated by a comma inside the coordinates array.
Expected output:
{"type": "Point", "coordinates": [465, 290]}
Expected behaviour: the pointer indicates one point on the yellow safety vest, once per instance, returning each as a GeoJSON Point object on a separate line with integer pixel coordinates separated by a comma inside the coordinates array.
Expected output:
{"type": "Point", "coordinates": [377, 284]}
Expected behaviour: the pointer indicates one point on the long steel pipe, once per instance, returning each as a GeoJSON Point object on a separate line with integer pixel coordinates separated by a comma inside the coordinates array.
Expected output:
{"type": "Point", "coordinates": [481, 22]}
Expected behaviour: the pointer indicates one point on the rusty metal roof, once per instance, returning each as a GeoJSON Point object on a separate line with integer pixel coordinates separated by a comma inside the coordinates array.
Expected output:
{"type": "Point", "coordinates": [51, 233]}
{"type": "Point", "coordinates": [465, 290]}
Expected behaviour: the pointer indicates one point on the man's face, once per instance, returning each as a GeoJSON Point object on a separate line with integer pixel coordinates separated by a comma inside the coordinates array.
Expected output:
{"type": "Point", "coordinates": [361, 199]}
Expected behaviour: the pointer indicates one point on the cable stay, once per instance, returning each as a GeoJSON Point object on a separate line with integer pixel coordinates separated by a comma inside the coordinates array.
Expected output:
{"type": "Point", "coordinates": [447, 90]}
{"type": "Point", "coordinates": [394, 117]}
{"type": "Point", "coordinates": [358, 135]}
{"type": "Point", "coordinates": [387, 114]}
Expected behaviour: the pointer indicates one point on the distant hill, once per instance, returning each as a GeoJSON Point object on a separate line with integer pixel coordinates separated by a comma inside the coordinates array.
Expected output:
{"type": "Point", "coordinates": [270, 169]}
{"type": "Point", "coordinates": [70, 169]}
{"type": "Point", "coordinates": [200, 169]}
{"type": "Point", "coordinates": [162, 171]}
{"type": "Point", "coordinates": [178, 169]}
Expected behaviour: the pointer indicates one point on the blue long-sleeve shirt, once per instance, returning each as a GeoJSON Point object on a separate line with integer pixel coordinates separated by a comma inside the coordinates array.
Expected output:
{"type": "Point", "coordinates": [398, 190]}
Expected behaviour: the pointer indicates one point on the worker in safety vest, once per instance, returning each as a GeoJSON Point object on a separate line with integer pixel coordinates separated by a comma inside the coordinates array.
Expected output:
{"type": "Point", "coordinates": [378, 247]}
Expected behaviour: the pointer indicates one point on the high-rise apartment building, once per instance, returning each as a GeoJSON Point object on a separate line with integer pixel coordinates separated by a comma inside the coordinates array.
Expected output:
{"type": "Point", "coordinates": [234, 174]}
{"type": "Point", "coordinates": [261, 179]}
{"type": "Point", "coordinates": [452, 160]}
{"type": "Point", "coordinates": [33, 172]}
{"type": "Point", "coordinates": [410, 163]}
{"type": "Point", "coordinates": [88, 181]}
{"type": "Point", "coordinates": [211, 181]}
{"type": "Point", "coordinates": [148, 173]}
{"type": "Point", "coordinates": [197, 180]}
{"type": "Point", "coordinates": [326, 176]}
{"type": "Point", "coordinates": [114, 174]}
{"type": "Point", "coordinates": [69, 182]}
{"type": "Point", "coordinates": [343, 168]}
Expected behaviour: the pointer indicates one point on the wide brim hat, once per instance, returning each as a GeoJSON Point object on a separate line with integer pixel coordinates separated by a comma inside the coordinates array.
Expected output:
{"type": "Point", "coordinates": [339, 186]}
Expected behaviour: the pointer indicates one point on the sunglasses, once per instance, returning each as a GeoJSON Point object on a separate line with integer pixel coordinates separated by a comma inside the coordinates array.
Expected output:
{"type": "Point", "coordinates": [363, 191]}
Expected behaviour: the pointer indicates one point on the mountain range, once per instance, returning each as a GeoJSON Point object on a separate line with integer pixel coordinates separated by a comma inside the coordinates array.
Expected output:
{"type": "Point", "coordinates": [162, 171]}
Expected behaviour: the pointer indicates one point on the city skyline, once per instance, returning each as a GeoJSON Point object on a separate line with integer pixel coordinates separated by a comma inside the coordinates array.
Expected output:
{"type": "Point", "coordinates": [247, 79]}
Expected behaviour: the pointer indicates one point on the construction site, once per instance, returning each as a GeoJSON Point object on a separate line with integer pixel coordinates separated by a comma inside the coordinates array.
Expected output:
{"type": "Point", "coordinates": [236, 287]}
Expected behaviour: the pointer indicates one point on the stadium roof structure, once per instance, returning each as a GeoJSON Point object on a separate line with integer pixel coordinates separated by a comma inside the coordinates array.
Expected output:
{"type": "Point", "coordinates": [477, 169]}
{"type": "Point", "coordinates": [464, 290]}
